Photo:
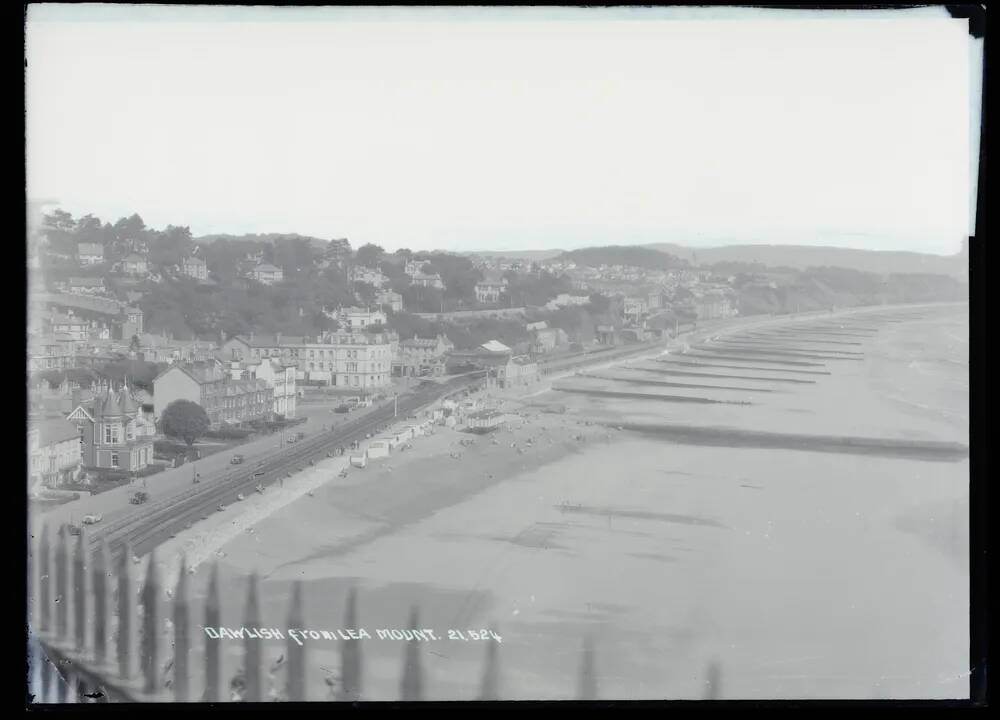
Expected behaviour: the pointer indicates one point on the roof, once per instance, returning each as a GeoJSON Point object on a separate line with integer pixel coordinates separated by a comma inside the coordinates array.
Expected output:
{"type": "Point", "coordinates": [105, 306]}
{"type": "Point", "coordinates": [420, 342]}
{"type": "Point", "coordinates": [53, 431]}
{"type": "Point", "coordinates": [194, 261]}
{"type": "Point", "coordinates": [134, 258]}
{"type": "Point", "coordinates": [361, 311]}
{"type": "Point", "coordinates": [495, 346]}
{"type": "Point", "coordinates": [110, 404]}
{"type": "Point", "coordinates": [492, 279]}
{"type": "Point", "coordinates": [63, 319]}
{"type": "Point", "coordinates": [485, 414]}
{"type": "Point", "coordinates": [269, 341]}
{"type": "Point", "coordinates": [86, 248]}
{"type": "Point", "coordinates": [266, 267]}
{"type": "Point", "coordinates": [86, 281]}
{"type": "Point", "coordinates": [541, 325]}
{"type": "Point", "coordinates": [200, 375]}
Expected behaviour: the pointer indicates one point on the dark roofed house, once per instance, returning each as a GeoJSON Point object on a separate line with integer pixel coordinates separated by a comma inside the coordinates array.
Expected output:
{"type": "Point", "coordinates": [112, 431]}
{"type": "Point", "coordinates": [224, 399]}
{"type": "Point", "coordinates": [423, 356]}
{"type": "Point", "coordinates": [86, 285]}
{"type": "Point", "coordinates": [90, 253]}
{"type": "Point", "coordinates": [267, 274]}
{"type": "Point", "coordinates": [134, 264]}
{"type": "Point", "coordinates": [195, 267]}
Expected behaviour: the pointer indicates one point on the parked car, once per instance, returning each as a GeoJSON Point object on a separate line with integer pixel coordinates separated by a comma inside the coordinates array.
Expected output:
{"type": "Point", "coordinates": [292, 439]}
{"type": "Point", "coordinates": [236, 460]}
{"type": "Point", "coordinates": [139, 498]}
{"type": "Point", "coordinates": [92, 519]}
{"type": "Point", "coordinates": [342, 408]}
{"type": "Point", "coordinates": [221, 508]}
{"type": "Point", "coordinates": [74, 529]}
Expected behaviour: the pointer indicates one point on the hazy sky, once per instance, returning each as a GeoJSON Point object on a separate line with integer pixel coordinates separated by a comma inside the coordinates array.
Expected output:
{"type": "Point", "coordinates": [508, 129]}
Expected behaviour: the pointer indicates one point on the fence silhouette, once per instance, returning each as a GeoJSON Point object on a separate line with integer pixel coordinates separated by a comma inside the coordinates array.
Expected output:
{"type": "Point", "coordinates": [93, 642]}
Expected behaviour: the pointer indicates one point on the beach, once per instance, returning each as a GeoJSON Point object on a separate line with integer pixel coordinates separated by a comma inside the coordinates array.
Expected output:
{"type": "Point", "coordinates": [798, 573]}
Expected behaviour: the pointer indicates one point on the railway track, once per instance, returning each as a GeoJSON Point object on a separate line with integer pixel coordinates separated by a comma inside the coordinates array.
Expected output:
{"type": "Point", "coordinates": [142, 531]}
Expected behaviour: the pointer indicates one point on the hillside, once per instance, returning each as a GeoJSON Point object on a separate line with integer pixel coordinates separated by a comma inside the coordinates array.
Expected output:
{"type": "Point", "coordinates": [269, 238]}
{"type": "Point", "coordinates": [804, 256]}
{"type": "Point", "coordinates": [633, 255]}
{"type": "Point", "coordinates": [533, 255]}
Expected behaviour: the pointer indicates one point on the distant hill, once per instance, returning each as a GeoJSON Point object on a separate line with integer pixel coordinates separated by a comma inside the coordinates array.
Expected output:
{"type": "Point", "coordinates": [535, 255]}
{"type": "Point", "coordinates": [634, 255]}
{"type": "Point", "coordinates": [800, 257]}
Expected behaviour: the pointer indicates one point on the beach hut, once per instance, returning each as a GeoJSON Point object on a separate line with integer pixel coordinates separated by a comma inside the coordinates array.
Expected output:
{"type": "Point", "coordinates": [380, 447]}
{"type": "Point", "coordinates": [360, 459]}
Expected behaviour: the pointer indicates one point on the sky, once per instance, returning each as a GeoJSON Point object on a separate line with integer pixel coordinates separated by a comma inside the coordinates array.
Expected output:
{"type": "Point", "coordinates": [509, 129]}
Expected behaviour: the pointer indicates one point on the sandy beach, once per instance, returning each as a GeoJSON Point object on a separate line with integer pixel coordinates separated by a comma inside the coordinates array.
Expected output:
{"type": "Point", "coordinates": [802, 574]}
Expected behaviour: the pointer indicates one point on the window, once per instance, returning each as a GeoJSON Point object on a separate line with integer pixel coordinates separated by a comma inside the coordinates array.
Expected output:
{"type": "Point", "coordinates": [114, 460]}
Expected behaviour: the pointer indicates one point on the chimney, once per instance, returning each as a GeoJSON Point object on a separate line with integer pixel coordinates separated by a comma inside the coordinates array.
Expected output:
{"type": "Point", "coordinates": [277, 339]}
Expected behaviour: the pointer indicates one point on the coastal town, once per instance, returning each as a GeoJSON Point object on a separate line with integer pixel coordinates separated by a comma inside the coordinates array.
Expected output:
{"type": "Point", "coordinates": [519, 354]}
{"type": "Point", "coordinates": [185, 394]}
{"type": "Point", "coordinates": [115, 341]}
{"type": "Point", "coordinates": [105, 363]}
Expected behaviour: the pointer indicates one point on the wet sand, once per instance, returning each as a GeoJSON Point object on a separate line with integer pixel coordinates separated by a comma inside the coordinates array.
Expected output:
{"type": "Point", "coordinates": [802, 574]}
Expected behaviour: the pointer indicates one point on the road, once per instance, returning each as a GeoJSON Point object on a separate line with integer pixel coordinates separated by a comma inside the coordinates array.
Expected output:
{"type": "Point", "coordinates": [182, 503]}
{"type": "Point", "coordinates": [114, 504]}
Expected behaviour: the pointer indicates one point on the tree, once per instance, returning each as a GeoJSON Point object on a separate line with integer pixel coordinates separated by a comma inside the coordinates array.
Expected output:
{"type": "Point", "coordinates": [88, 229]}
{"type": "Point", "coordinates": [405, 253]}
{"type": "Point", "coordinates": [129, 232]}
{"type": "Point", "coordinates": [171, 247]}
{"type": "Point", "coordinates": [599, 303]}
{"type": "Point", "coordinates": [59, 230]}
{"type": "Point", "coordinates": [365, 291]}
{"type": "Point", "coordinates": [184, 419]}
{"type": "Point", "coordinates": [338, 248]}
{"type": "Point", "coordinates": [368, 255]}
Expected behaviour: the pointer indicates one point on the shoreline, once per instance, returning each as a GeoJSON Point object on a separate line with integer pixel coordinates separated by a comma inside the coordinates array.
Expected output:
{"type": "Point", "coordinates": [670, 555]}
{"type": "Point", "coordinates": [201, 544]}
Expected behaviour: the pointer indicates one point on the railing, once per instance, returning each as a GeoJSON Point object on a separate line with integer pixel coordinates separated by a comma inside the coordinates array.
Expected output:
{"type": "Point", "coordinates": [96, 640]}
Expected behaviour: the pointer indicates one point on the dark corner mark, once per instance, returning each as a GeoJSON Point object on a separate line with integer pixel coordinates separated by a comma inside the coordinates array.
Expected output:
{"type": "Point", "coordinates": [975, 13]}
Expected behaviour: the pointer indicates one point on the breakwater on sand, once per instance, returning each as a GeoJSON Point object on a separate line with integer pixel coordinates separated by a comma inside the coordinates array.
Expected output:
{"type": "Point", "coordinates": [732, 437]}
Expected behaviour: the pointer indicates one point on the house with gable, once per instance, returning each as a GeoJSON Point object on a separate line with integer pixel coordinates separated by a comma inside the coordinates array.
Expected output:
{"type": "Point", "coordinates": [113, 432]}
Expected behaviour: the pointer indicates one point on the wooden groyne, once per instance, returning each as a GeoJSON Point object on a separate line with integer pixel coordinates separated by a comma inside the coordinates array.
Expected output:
{"type": "Point", "coordinates": [731, 437]}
